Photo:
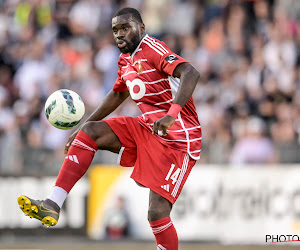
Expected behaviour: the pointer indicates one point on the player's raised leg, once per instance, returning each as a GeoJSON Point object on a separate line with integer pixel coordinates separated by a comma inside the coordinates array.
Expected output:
{"type": "Point", "coordinates": [92, 136]}
{"type": "Point", "coordinates": [160, 222]}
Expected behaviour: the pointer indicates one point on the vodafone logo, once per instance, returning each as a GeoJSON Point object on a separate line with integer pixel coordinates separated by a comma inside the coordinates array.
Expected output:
{"type": "Point", "coordinates": [137, 88]}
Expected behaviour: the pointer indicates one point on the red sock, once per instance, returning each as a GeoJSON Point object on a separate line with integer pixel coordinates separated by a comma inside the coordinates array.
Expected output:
{"type": "Point", "coordinates": [165, 234]}
{"type": "Point", "coordinates": [77, 161]}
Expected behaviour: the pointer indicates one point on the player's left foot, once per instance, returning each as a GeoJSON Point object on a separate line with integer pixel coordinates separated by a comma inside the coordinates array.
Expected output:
{"type": "Point", "coordinates": [47, 211]}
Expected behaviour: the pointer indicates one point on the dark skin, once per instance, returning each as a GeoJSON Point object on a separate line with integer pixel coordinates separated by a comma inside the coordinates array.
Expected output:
{"type": "Point", "coordinates": [128, 33]}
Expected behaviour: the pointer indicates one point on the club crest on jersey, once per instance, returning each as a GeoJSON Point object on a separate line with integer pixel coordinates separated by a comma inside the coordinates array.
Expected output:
{"type": "Point", "coordinates": [139, 66]}
{"type": "Point", "coordinates": [171, 58]}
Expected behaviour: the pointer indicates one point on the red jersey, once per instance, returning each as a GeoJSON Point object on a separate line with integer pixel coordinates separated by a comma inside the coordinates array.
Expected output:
{"type": "Point", "coordinates": [148, 75]}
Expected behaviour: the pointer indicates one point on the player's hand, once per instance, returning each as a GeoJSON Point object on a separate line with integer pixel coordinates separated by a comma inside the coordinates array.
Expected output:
{"type": "Point", "coordinates": [70, 140]}
{"type": "Point", "coordinates": [161, 125]}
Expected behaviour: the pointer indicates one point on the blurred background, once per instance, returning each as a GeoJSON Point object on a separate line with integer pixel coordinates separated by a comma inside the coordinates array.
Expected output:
{"type": "Point", "coordinates": [247, 100]}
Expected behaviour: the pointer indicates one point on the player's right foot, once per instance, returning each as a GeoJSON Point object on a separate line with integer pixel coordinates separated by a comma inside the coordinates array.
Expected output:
{"type": "Point", "coordinates": [47, 211]}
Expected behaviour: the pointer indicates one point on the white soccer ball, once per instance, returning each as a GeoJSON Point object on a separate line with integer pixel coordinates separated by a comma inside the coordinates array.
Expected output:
{"type": "Point", "coordinates": [64, 109]}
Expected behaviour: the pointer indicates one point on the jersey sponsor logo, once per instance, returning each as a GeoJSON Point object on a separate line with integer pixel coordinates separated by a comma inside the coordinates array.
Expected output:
{"type": "Point", "coordinates": [137, 88]}
{"type": "Point", "coordinates": [171, 58]}
{"type": "Point", "coordinates": [166, 187]}
{"type": "Point", "coordinates": [73, 158]}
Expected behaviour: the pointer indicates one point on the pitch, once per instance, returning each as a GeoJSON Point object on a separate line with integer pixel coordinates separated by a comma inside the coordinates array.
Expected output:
{"type": "Point", "coordinates": [125, 245]}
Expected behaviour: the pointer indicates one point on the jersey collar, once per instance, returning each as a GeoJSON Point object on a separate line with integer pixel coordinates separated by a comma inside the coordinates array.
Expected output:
{"type": "Point", "coordinates": [132, 55]}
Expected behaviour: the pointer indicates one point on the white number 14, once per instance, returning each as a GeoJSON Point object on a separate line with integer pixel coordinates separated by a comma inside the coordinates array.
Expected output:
{"type": "Point", "coordinates": [174, 176]}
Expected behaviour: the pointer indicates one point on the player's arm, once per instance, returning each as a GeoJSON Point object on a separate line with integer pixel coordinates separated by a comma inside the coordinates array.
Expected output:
{"type": "Point", "coordinates": [111, 101]}
{"type": "Point", "coordinates": [189, 77]}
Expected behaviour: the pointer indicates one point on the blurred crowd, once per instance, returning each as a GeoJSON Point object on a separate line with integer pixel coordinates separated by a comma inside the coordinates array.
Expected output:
{"type": "Point", "coordinates": [248, 97]}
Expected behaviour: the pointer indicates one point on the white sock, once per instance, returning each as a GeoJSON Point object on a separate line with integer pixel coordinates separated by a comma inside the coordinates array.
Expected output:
{"type": "Point", "coordinates": [58, 195]}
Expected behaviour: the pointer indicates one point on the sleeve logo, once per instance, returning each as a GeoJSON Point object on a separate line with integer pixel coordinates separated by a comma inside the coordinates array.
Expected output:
{"type": "Point", "coordinates": [171, 58]}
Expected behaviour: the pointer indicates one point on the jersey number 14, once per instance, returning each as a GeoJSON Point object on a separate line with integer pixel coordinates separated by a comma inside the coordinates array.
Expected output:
{"type": "Point", "coordinates": [173, 176]}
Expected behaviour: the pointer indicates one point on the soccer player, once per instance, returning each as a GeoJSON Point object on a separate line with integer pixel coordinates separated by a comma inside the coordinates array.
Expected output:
{"type": "Point", "coordinates": [162, 144]}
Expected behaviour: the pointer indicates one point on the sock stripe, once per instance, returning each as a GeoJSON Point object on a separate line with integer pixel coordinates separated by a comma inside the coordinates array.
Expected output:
{"type": "Point", "coordinates": [162, 228]}
{"type": "Point", "coordinates": [160, 247]}
{"type": "Point", "coordinates": [80, 144]}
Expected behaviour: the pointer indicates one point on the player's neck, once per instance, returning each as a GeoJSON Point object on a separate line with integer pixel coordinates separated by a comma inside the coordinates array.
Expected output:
{"type": "Point", "coordinates": [131, 53]}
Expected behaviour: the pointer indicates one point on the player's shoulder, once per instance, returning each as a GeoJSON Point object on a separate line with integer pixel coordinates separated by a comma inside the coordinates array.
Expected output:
{"type": "Point", "coordinates": [153, 45]}
{"type": "Point", "coordinates": [122, 59]}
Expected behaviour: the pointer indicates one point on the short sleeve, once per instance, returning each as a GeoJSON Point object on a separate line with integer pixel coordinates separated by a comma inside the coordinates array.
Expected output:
{"type": "Point", "coordinates": [160, 56]}
{"type": "Point", "coordinates": [119, 85]}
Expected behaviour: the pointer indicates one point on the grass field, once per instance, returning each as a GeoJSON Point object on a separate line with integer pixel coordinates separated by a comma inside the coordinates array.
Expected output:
{"type": "Point", "coordinates": [137, 246]}
{"type": "Point", "coordinates": [61, 243]}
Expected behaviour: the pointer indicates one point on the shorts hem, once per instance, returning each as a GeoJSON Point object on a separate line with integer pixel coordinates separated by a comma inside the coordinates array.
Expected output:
{"type": "Point", "coordinates": [172, 200]}
{"type": "Point", "coordinates": [120, 155]}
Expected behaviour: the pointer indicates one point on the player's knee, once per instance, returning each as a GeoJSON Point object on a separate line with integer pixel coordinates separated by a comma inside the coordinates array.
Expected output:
{"type": "Point", "coordinates": [91, 129]}
{"type": "Point", "coordinates": [156, 213]}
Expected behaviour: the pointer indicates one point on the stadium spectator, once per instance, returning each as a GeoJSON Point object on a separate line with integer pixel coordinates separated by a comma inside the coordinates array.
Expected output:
{"type": "Point", "coordinates": [116, 220]}
{"type": "Point", "coordinates": [247, 68]}
{"type": "Point", "coordinates": [252, 146]}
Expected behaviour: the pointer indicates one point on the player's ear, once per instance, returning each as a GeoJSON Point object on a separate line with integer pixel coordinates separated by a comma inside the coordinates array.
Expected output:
{"type": "Point", "coordinates": [142, 28]}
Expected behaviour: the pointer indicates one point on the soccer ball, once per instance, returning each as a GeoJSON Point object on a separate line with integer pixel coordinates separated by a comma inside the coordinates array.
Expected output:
{"type": "Point", "coordinates": [64, 109]}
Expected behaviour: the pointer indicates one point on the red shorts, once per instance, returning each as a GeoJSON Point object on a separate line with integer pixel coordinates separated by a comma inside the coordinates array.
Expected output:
{"type": "Point", "coordinates": [162, 169]}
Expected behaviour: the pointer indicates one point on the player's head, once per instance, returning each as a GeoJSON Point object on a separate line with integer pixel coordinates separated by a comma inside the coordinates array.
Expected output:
{"type": "Point", "coordinates": [128, 29]}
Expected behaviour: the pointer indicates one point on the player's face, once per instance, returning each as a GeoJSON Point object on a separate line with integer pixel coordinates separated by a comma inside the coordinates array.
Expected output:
{"type": "Point", "coordinates": [127, 33]}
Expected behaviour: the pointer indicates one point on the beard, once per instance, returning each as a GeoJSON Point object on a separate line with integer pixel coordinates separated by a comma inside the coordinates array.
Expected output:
{"type": "Point", "coordinates": [130, 45]}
